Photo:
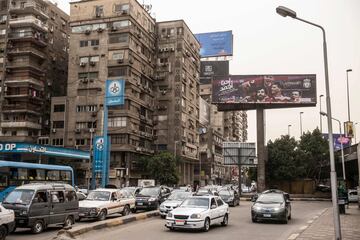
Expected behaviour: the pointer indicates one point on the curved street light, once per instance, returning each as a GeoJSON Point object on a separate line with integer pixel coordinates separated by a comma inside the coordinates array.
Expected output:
{"type": "Point", "coordinates": [286, 12]}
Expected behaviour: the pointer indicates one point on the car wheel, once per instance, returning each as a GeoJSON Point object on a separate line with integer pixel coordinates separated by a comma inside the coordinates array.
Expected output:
{"type": "Point", "coordinates": [102, 215]}
{"type": "Point", "coordinates": [126, 211]}
{"type": "Point", "coordinates": [163, 216]}
{"type": "Point", "coordinates": [38, 227]}
{"type": "Point", "coordinates": [290, 216]}
{"type": "Point", "coordinates": [69, 221]}
{"type": "Point", "coordinates": [206, 225]}
{"type": "Point", "coordinates": [253, 219]}
{"type": "Point", "coordinates": [133, 210]}
{"type": "Point", "coordinates": [225, 221]}
{"type": "Point", "coordinates": [3, 233]}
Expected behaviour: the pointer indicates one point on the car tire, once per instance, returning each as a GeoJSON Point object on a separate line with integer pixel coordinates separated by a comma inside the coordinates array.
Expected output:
{"type": "Point", "coordinates": [133, 210]}
{"type": "Point", "coordinates": [3, 232]}
{"type": "Point", "coordinates": [206, 225]}
{"type": "Point", "coordinates": [102, 215]}
{"type": "Point", "coordinates": [253, 219]}
{"type": "Point", "coordinates": [289, 216]}
{"type": "Point", "coordinates": [225, 221]}
{"type": "Point", "coordinates": [69, 221]}
{"type": "Point", "coordinates": [126, 211]}
{"type": "Point", "coordinates": [38, 227]}
{"type": "Point", "coordinates": [162, 216]}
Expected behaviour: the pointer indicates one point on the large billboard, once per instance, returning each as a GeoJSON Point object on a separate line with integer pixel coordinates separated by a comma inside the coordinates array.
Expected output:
{"type": "Point", "coordinates": [215, 44]}
{"type": "Point", "coordinates": [244, 92]}
{"type": "Point", "coordinates": [115, 92]}
{"type": "Point", "coordinates": [210, 69]}
{"type": "Point", "coordinates": [337, 140]}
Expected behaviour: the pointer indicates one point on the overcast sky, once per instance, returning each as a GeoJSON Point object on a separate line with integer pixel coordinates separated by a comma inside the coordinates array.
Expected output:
{"type": "Point", "coordinates": [266, 43]}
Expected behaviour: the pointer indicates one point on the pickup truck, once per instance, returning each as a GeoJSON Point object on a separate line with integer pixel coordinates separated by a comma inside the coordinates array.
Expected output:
{"type": "Point", "coordinates": [7, 222]}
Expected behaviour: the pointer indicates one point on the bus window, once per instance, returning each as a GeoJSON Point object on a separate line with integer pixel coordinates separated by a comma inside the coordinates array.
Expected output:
{"type": "Point", "coordinates": [22, 174]}
{"type": "Point", "coordinates": [36, 174]}
{"type": "Point", "coordinates": [3, 181]}
{"type": "Point", "coordinates": [65, 176]}
{"type": "Point", "coordinates": [53, 175]}
{"type": "Point", "coordinates": [13, 173]}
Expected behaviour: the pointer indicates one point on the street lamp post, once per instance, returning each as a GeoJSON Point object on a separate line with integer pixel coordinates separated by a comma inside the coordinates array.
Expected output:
{"type": "Point", "coordinates": [289, 129]}
{"type": "Point", "coordinates": [347, 87]}
{"type": "Point", "coordinates": [301, 130]}
{"type": "Point", "coordinates": [285, 12]}
{"type": "Point", "coordinates": [341, 143]}
{"type": "Point", "coordinates": [355, 132]}
{"type": "Point", "coordinates": [320, 114]}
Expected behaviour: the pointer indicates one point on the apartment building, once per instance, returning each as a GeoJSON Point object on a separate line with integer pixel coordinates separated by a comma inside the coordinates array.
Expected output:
{"type": "Point", "coordinates": [33, 56]}
{"type": "Point", "coordinates": [110, 39]}
{"type": "Point", "coordinates": [177, 95]}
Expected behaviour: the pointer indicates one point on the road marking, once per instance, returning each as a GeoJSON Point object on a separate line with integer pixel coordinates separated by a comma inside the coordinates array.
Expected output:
{"type": "Point", "coordinates": [293, 236]}
{"type": "Point", "coordinates": [303, 228]}
{"type": "Point", "coordinates": [310, 221]}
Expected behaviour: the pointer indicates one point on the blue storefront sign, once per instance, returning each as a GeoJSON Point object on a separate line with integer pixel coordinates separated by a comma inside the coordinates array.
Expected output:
{"type": "Point", "coordinates": [9, 147]}
{"type": "Point", "coordinates": [98, 146]}
{"type": "Point", "coordinates": [115, 91]}
{"type": "Point", "coordinates": [215, 44]}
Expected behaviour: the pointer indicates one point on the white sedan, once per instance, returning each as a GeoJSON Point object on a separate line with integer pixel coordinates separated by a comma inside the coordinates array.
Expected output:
{"type": "Point", "coordinates": [198, 212]}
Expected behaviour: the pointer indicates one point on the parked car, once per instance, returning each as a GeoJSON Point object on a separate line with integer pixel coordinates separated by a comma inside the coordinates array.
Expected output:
{"type": "Point", "coordinates": [353, 195]}
{"type": "Point", "coordinates": [206, 192]}
{"type": "Point", "coordinates": [7, 222]}
{"type": "Point", "coordinates": [103, 202]}
{"type": "Point", "coordinates": [230, 197]}
{"type": "Point", "coordinates": [133, 190]}
{"type": "Point", "coordinates": [150, 198]}
{"type": "Point", "coordinates": [38, 205]}
{"type": "Point", "coordinates": [198, 212]}
{"type": "Point", "coordinates": [256, 195]}
{"type": "Point", "coordinates": [174, 200]}
{"type": "Point", "coordinates": [271, 206]}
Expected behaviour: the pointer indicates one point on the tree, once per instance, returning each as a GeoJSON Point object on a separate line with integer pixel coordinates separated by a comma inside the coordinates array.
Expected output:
{"type": "Point", "coordinates": [314, 151]}
{"type": "Point", "coordinates": [161, 167]}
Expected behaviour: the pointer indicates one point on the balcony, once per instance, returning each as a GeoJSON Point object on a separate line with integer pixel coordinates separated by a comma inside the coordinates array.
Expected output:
{"type": "Point", "coordinates": [25, 51]}
{"type": "Point", "coordinates": [24, 124]}
{"type": "Point", "coordinates": [21, 108]}
{"type": "Point", "coordinates": [30, 8]}
{"type": "Point", "coordinates": [29, 21]}
{"type": "Point", "coordinates": [18, 82]}
{"type": "Point", "coordinates": [36, 38]}
{"type": "Point", "coordinates": [24, 64]}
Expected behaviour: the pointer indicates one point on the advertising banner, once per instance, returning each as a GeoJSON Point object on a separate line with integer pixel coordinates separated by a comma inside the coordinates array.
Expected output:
{"type": "Point", "coordinates": [337, 139]}
{"type": "Point", "coordinates": [115, 91]}
{"type": "Point", "coordinates": [236, 153]}
{"type": "Point", "coordinates": [268, 91]}
{"type": "Point", "coordinates": [9, 147]}
{"type": "Point", "coordinates": [215, 44]}
{"type": "Point", "coordinates": [98, 148]}
{"type": "Point", "coordinates": [349, 129]}
{"type": "Point", "coordinates": [209, 69]}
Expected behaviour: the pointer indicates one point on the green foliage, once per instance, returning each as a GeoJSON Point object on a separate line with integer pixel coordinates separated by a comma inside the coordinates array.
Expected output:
{"type": "Point", "coordinates": [289, 159]}
{"type": "Point", "coordinates": [161, 167]}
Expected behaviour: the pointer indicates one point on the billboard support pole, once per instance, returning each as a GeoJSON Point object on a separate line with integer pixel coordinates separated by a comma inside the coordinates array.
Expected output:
{"type": "Point", "coordinates": [260, 127]}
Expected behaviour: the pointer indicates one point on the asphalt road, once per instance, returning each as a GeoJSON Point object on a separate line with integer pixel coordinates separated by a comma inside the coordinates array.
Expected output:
{"type": "Point", "coordinates": [240, 226]}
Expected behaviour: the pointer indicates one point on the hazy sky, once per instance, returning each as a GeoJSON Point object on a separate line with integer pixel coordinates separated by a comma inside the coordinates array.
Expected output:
{"type": "Point", "coordinates": [266, 43]}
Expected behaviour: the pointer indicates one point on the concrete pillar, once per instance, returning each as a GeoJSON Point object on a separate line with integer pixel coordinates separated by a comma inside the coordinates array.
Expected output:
{"type": "Point", "coordinates": [260, 127]}
{"type": "Point", "coordinates": [358, 158]}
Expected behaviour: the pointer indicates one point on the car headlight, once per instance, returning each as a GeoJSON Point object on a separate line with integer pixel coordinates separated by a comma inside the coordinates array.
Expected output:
{"type": "Point", "coordinates": [169, 215]}
{"type": "Point", "coordinates": [230, 199]}
{"type": "Point", "coordinates": [23, 212]}
{"type": "Point", "coordinates": [195, 215]}
{"type": "Point", "coordinates": [152, 199]}
{"type": "Point", "coordinates": [162, 205]}
{"type": "Point", "coordinates": [278, 209]}
{"type": "Point", "coordinates": [257, 208]}
{"type": "Point", "coordinates": [94, 210]}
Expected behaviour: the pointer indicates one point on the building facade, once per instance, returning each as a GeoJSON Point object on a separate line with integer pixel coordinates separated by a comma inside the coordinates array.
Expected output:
{"type": "Point", "coordinates": [33, 55]}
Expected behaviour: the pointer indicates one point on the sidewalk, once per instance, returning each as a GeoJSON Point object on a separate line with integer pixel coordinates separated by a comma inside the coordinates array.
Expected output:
{"type": "Point", "coordinates": [323, 227]}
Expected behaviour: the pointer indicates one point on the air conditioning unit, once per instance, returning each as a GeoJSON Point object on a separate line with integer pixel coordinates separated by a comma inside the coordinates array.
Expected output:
{"type": "Point", "coordinates": [166, 49]}
{"type": "Point", "coordinates": [138, 149]}
{"type": "Point", "coordinates": [172, 49]}
{"type": "Point", "coordinates": [87, 32]}
{"type": "Point", "coordinates": [120, 60]}
{"type": "Point", "coordinates": [92, 63]}
{"type": "Point", "coordinates": [124, 12]}
{"type": "Point", "coordinates": [114, 29]}
{"type": "Point", "coordinates": [91, 80]}
{"type": "Point", "coordinates": [54, 130]}
{"type": "Point", "coordinates": [84, 80]}
{"type": "Point", "coordinates": [168, 36]}
{"type": "Point", "coordinates": [96, 48]}
{"type": "Point", "coordinates": [163, 92]}
{"type": "Point", "coordinates": [131, 61]}
{"type": "Point", "coordinates": [82, 64]}
{"type": "Point", "coordinates": [100, 30]}
{"type": "Point", "coordinates": [2, 21]}
{"type": "Point", "coordinates": [77, 130]}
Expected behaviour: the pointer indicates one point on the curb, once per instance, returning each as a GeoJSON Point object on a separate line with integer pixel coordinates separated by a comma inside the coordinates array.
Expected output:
{"type": "Point", "coordinates": [79, 230]}
{"type": "Point", "coordinates": [295, 235]}
{"type": "Point", "coordinates": [296, 199]}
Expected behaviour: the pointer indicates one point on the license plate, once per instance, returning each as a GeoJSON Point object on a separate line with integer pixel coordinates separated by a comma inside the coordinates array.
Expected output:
{"type": "Point", "coordinates": [180, 223]}
{"type": "Point", "coordinates": [21, 221]}
{"type": "Point", "coordinates": [341, 201]}
{"type": "Point", "coordinates": [81, 214]}
{"type": "Point", "coordinates": [267, 215]}
{"type": "Point", "coordinates": [140, 204]}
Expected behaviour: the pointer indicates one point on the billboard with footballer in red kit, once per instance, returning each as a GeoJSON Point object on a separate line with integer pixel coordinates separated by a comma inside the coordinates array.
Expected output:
{"type": "Point", "coordinates": [245, 92]}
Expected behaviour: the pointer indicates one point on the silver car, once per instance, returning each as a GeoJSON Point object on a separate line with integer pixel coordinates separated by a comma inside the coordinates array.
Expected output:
{"type": "Point", "coordinates": [174, 200]}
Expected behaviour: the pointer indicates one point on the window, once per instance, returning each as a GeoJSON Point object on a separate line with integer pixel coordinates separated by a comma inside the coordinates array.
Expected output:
{"type": "Point", "coordinates": [119, 38]}
{"type": "Point", "coordinates": [117, 72]}
{"type": "Point", "coordinates": [58, 124]}
{"type": "Point", "coordinates": [80, 142]}
{"type": "Point", "coordinates": [95, 42]}
{"type": "Point", "coordinates": [99, 11]}
{"type": "Point", "coordinates": [117, 55]}
{"type": "Point", "coordinates": [59, 108]}
{"type": "Point", "coordinates": [122, 24]}
{"type": "Point", "coordinates": [121, 7]}
{"type": "Point", "coordinates": [84, 43]}
{"type": "Point", "coordinates": [180, 30]}
{"type": "Point", "coordinates": [119, 139]}
{"type": "Point", "coordinates": [84, 59]}
{"type": "Point", "coordinates": [57, 196]}
{"type": "Point", "coordinates": [219, 202]}
{"type": "Point", "coordinates": [89, 75]}
{"type": "Point", "coordinates": [58, 142]}
{"type": "Point", "coordinates": [117, 122]}
{"type": "Point", "coordinates": [70, 196]}
{"type": "Point", "coordinates": [213, 203]}
{"type": "Point", "coordinates": [40, 197]}
{"type": "Point", "coordinates": [94, 59]}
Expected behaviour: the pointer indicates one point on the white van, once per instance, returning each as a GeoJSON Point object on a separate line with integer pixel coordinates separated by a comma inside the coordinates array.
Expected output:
{"type": "Point", "coordinates": [7, 222]}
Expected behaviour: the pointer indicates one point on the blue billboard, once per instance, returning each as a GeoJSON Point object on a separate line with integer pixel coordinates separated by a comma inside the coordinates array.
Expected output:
{"type": "Point", "coordinates": [10, 147]}
{"type": "Point", "coordinates": [98, 146]}
{"type": "Point", "coordinates": [215, 44]}
{"type": "Point", "coordinates": [337, 139]}
{"type": "Point", "coordinates": [115, 91]}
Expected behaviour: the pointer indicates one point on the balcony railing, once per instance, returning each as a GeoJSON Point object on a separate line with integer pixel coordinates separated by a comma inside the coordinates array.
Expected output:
{"type": "Point", "coordinates": [29, 7]}
{"type": "Point", "coordinates": [26, 50]}
{"type": "Point", "coordinates": [24, 124]}
{"type": "Point", "coordinates": [29, 20]}
{"type": "Point", "coordinates": [37, 37]}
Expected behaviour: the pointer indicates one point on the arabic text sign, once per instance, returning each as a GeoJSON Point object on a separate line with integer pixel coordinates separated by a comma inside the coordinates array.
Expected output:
{"type": "Point", "coordinates": [215, 44]}
{"type": "Point", "coordinates": [115, 91]}
{"type": "Point", "coordinates": [42, 149]}
{"type": "Point", "coordinates": [98, 153]}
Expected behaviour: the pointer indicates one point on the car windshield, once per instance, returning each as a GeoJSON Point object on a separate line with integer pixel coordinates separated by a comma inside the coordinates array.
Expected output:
{"type": "Point", "coordinates": [22, 196]}
{"type": "Point", "coordinates": [149, 191]}
{"type": "Point", "coordinates": [179, 195]}
{"type": "Point", "coordinates": [225, 193]}
{"type": "Point", "coordinates": [270, 198]}
{"type": "Point", "coordinates": [196, 203]}
{"type": "Point", "coordinates": [98, 196]}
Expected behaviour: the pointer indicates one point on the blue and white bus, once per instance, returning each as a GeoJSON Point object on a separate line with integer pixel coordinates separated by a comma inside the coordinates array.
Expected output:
{"type": "Point", "coordinates": [13, 174]}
